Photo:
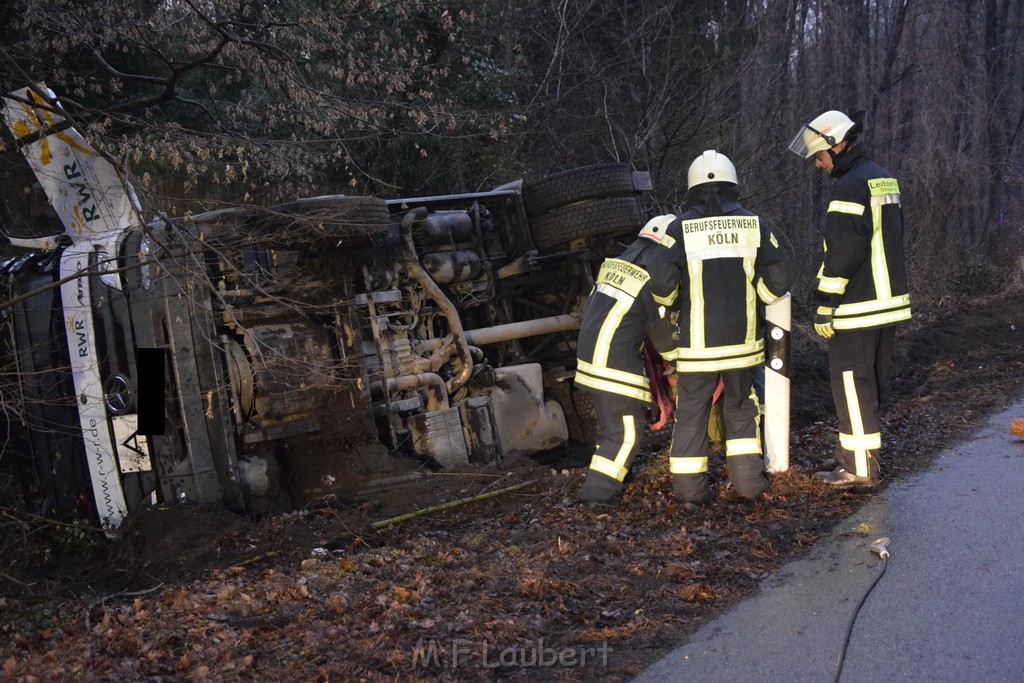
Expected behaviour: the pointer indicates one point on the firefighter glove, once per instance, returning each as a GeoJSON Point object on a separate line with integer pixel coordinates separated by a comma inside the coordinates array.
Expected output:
{"type": "Point", "coordinates": [823, 322]}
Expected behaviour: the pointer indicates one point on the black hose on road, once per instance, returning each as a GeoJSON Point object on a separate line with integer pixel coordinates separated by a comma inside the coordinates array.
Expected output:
{"type": "Point", "coordinates": [879, 547]}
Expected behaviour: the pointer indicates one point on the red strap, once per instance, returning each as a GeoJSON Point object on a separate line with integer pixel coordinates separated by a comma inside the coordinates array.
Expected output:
{"type": "Point", "coordinates": [663, 406]}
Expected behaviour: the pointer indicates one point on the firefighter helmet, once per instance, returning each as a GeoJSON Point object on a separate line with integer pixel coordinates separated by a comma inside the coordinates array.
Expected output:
{"type": "Point", "coordinates": [825, 132]}
{"type": "Point", "coordinates": [711, 167]}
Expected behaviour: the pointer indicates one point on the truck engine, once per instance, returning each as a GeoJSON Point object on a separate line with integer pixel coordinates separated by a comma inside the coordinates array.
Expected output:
{"type": "Point", "coordinates": [355, 341]}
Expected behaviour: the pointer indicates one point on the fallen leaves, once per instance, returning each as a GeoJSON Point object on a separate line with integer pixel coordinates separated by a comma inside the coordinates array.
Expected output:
{"type": "Point", "coordinates": [680, 573]}
{"type": "Point", "coordinates": [510, 573]}
{"type": "Point", "coordinates": [180, 600]}
{"type": "Point", "coordinates": [698, 592]}
{"type": "Point", "coordinates": [338, 603]}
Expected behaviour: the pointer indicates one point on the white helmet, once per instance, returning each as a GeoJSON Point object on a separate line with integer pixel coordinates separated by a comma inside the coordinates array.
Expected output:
{"type": "Point", "coordinates": [711, 167]}
{"type": "Point", "coordinates": [825, 132]}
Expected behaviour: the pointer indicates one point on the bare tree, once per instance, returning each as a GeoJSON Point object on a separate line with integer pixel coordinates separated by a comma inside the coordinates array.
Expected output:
{"type": "Point", "coordinates": [263, 99]}
{"type": "Point", "coordinates": [266, 99]}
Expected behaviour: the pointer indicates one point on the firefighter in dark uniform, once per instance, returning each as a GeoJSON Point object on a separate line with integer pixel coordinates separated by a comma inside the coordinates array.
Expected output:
{"type": "Point", "coordinates": [862, 290]}
{"type": "Point", "coordinates": [633, 300]}
{"type": "Point", "coordinates": [730, 259]}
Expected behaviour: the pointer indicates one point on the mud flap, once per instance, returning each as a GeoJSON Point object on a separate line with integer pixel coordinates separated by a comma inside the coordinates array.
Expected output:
{"type": "Point", "coordinates": [526, 422]}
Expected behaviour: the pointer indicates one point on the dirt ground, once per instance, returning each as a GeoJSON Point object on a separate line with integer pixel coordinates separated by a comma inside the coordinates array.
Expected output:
{"type": "Point", "coordinates": [523, 585]}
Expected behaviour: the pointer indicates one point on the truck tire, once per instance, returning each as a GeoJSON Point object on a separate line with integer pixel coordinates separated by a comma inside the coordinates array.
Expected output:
{"type": "Point", "coordinates": [600, 217]}
{"type": "Point", "coordinates": [577, 185]}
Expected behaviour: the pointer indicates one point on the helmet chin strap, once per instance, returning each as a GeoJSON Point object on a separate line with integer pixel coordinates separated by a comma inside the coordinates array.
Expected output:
{"type": "Point", "coordinates": [835, 155]}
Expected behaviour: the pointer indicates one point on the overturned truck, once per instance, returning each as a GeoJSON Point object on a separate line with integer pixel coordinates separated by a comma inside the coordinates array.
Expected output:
{"type": "Point", "coordinates": [269, 357]}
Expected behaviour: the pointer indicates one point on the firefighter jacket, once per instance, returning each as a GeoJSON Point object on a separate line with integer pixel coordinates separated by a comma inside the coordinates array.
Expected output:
{"type": "Point", "coordinates": [863, 275]}
{"type": "Point", "coordinates": [633, 299]}
{"type": "Point", "coordinates": [729, 259]}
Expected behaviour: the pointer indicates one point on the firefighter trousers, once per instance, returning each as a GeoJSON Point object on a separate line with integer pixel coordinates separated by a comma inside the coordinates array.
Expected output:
{"type": "Point", "coordinates": [620, 425]}
{"type": "Point", "coordinates": [858, 362]}
{"type": "Point", "coordinates": [688, 460]}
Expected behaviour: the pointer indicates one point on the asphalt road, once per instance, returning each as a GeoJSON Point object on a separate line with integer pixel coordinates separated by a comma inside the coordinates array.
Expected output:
{"type": "Point", "coordinates": [949, 606]}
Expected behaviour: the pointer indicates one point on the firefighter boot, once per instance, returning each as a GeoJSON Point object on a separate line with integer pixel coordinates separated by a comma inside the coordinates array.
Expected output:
{"type": "Point", "coordinates": [840, 478]}
{"type": "Point", "coordinates": [692, 488]}
{"type": "Point", "coordinates": [843, 478]}
{"type": "Point", "coordinates": [601, 491]}
{"type": "Point", "coordinates": [746, 474]}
